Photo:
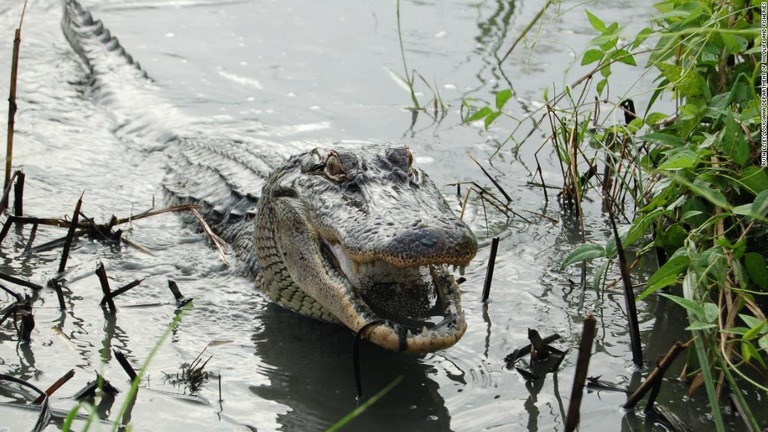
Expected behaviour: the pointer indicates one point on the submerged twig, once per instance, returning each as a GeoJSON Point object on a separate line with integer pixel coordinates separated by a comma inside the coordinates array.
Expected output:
{"type": "Point", "coordinates": [44, 416]}
{"type": "Point", "coordinates": [180, 299]}
{"type": "Point", "coordinates": [493, 180]}
{"type": "Point", "coordinates": [70, 236]}
{"type": "Point", "coordinates": [21, 282]}
{"type": "Point", "coordinates": [101, 272]}
{"type": "Point", "coordinates": [489, 272]}
{"type": "Point", "coordinates": [90, 389]}
{"type": "Point", "coordinates": [654, 378]}
{"type": "Point", "coordinates": [18, 194]}
{"type": "Point", "coordinates": [7, 192]}
{"type": "Point", "coordinates": [55, 386]}
{"type": "Point", "coordinates": [524, 351]}
{"type": "Point", "coordinates": [55, 283]}
{"type": "Point", "coordinates": [119, 291]}
{"type": "Point", "coordinates": [629, 297]}
{"type": "Point", "coordinates": [595, 383]}
{"type": "Point", "coordinates": [15, 295]}
{"type": "Point", "coordinates": [580, 377]}
{"type": "Point", "coordinates": [125, 364]}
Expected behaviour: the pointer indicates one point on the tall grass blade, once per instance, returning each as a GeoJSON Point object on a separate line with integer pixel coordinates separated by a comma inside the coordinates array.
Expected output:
{"type": "Point", "coordinates": [359, 410]}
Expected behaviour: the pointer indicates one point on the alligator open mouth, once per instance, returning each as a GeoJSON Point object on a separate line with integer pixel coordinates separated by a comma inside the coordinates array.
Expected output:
{"type": "Point", "coordinates": [415, 308]}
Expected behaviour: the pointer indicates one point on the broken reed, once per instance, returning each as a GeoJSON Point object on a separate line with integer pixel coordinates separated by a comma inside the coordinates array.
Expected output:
{"type": "Point", "coordinates": [12, 98]}
{"type": "Point", "coordinates": [580, 377]}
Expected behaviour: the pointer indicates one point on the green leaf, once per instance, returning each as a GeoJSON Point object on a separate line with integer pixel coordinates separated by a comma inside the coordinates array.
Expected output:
{"type": "Point", "coordinates": [743, 210]}
{"type": "Point", "coordinates": [610, 245]}
{"type": "Point", "coordinates": [712, 195]}
{"type": "Point", "coordinates": [402, 82]}
{"type": "Point", "coordinates": [599, 278]}
{"type": "Point", "coordinates": [502, 97]}
{"type": "Point", "coordinates": [601, 85]}
{"type": "Point", "coordinates": [751, 321]}
{"type": "Point", "coordinates": [642, 35]}
{"type": "Point", "coordinates": [482, 112]}
{"type": "Point", "coordinates": [698, 325]}
{"type": "Point", "coordinates": [754, 178]}
{"type": "Point", "coordinates": [710, 55]}
{"type": "Point", "coordinates": [751, 353]}
{"type": "Point", "coordinates": [591, 56]}
{"type": "Point", "coordinates": [606, 41]}
{"type": "Point", "coordinates": [672, 14]}
{"type": "Point", "coordinates": [585, 252]}
{"type": "Point", "coordinates": [741, 150]}
{"type": "Point", "coordinates": [736, 330]}
{"type": "Point", "coordinates": [688, 81]}
{"type": "Point", "coordinates": [666, 275]}
{"type": "Point", "coordinates": [683, 159]}
{"type": "Point", "coordinates": [734, 44]}
{"type": "Point", "coordinates": [691, 306]}
{"type": "Point", "coordinates": [755, 331]}
{"type": "Point", "coordinates": [664, 138]}
{"type": "Point", "coordinates": [746, 352]}
{"type": "Point", "coordinates": [760, 205]}
{"type": "Point", "coordinates": [596, 22]}
{"type": "Point", "coordinates": [728, 134]}
{"type": "Point", "coordinates": [757, 269]}
{"type": "Point", "coordinates": [625, 57]}
{"type": "Point", "coordinates": [695, 212]}
{"type": "Point", "coordinates": [640, 226]}
{"type": "Point", "coordinates": [655, 117]}
{"type": "Point", "coordinates": [711, 312]}
{"type": "Point", "coordinates": [763, 342]}
{"type": "Point", "coordinates": [663, 50]}
{"type": "Point", "coordinates": [490, 118]}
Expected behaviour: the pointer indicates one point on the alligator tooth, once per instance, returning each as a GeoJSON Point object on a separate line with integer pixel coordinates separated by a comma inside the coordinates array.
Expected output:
{"type": "Point", "coordinates": [408, 334]}
{"type": "Point", "coordinates": [454, 267]}
{"type": "Point", "coordinates": [461, 270]}
{"type": "Point", "coordinates": [424, 330]}
{"type": "Point", "coordinates": [356, 267]}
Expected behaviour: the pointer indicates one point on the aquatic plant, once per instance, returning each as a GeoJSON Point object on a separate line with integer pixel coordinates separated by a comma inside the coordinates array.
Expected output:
{"type": "Point", "coordinates": [689, 176]}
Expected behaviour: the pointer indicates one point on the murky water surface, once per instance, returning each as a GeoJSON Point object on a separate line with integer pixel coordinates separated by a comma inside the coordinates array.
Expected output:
{"type": "Point", "coordinates": [297, 74]}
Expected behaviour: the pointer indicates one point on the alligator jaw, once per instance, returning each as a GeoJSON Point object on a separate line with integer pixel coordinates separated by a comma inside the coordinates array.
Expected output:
{"type": "Point", "coordinates": [415, 309]}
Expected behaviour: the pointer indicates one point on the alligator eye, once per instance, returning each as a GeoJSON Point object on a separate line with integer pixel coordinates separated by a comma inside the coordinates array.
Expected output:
{"type": "Point", "coordinates": [409, 158]}
{"type": "Point", "coordinates": [334, 169]}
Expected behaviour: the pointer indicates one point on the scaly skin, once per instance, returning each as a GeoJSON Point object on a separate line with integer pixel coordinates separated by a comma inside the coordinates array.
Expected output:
{"type": "Point", "coordinates": [363, 206]}
{"type": "Point", "coordinates": [355, 236]}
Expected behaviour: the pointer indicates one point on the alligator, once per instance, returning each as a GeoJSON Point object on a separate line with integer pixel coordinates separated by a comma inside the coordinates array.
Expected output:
{"type": "Point", "coordinates": [355, 236]}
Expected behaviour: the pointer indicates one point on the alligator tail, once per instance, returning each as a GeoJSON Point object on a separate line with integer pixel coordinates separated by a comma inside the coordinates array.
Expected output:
{"type": "Point", "coordinates": [92, 41]}
{"type": "Point", "coordinates": [118, 82]}
{"type": "Point", "coordinates": [223, 177]}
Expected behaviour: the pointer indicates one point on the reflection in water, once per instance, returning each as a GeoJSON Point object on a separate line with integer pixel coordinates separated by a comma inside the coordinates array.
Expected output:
{"type": "Point", "coordinates": [312, 375]}
{"type": "Point", "coordinates": [494, 29]}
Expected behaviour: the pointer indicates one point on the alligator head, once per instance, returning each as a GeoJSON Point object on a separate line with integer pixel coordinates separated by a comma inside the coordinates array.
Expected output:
{"type": "Point", "coordinates": [363, 238]}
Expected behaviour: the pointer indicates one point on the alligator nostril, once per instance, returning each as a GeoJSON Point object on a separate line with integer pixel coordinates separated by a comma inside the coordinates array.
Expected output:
{"type": "Point", "coordinates": [431, 238]}
{"type": "Point", "coordinates": [428, 241]}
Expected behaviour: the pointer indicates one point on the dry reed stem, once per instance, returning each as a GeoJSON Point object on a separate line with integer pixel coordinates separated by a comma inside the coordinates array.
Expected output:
{"type": "Point", "coordinates": [656, 375]}
{"type": "Point", "coordinates": [220, 244]}
{"type": "Point", "coordinates": [12, 98]}
{"type": "Point", "coordinates": [55, 386]}
{"type": "Point", "coordinates": [580, 376]}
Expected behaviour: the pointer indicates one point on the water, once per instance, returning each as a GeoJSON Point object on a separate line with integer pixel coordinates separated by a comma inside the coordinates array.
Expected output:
{"type": "Point", "coordinates": [296, 74]}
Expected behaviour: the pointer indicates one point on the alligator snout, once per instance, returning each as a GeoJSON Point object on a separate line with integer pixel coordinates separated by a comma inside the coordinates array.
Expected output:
{"type": "Point", "coordinates": [430, 244]}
